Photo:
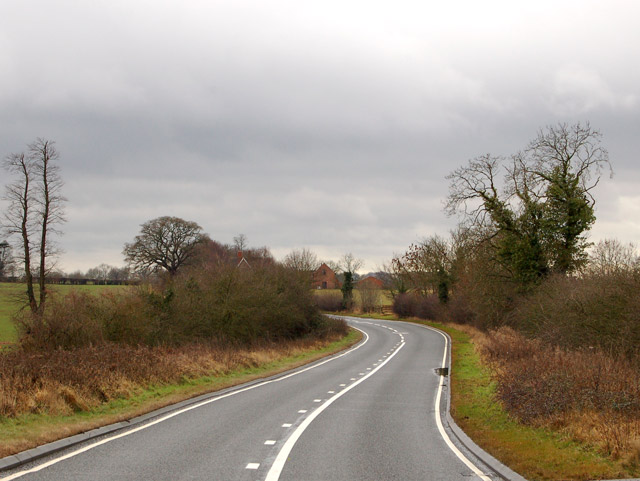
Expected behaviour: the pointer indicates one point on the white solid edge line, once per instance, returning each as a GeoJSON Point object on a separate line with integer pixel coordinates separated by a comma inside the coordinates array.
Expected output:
{"type": "Point", "coordinates": [443, 433]}
{"type": "Point", "coordinates": [283, 455]}
{"type": "Point", "coordinates": [42, 466]}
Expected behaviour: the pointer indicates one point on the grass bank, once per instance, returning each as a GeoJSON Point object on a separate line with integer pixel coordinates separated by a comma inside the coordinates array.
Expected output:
{"type": "Point", "coordinates": [74, 414]}
{"type": "Point", "coordinates": [534, 452]}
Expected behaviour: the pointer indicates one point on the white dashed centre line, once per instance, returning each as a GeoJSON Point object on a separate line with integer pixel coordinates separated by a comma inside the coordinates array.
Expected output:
{"type": "Point", "coordinates": [331, 392]}
{"type": "Point", "coordinates": [342, 385]}
{"type": "Point", "coordinates": [269, 442]}
{"type": "Point", "coordinates": [286, 425]}
{"type": "Point", "coordinates": [283, 455]}
{"type": "Point", "coordinates": [253, 465]}
{"type": "Point", "coordinates": [317, 400]}
{"type": "Point", "coordinates": [302, 411]}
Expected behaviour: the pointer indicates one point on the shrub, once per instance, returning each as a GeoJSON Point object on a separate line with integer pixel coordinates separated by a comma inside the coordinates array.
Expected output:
{"type": "Point", "coordinates": [369, 298]}
{"type": "Point", "coordinates": [416, 305]}
{"type": "Point", "coordinates": [592, 311]}
{"type": "Point", "coordinates": [459, 310]}
{"type": "Point", "coordinates": [427, 307]}
{"type": "Point", "coordinates": [404, 305]}
{"type": "Point", "coordinates": [68, 322]}
{"type": "Point", "coordinates": [226, 304]}
{"type": "Point", "coordinates": [328, 301]}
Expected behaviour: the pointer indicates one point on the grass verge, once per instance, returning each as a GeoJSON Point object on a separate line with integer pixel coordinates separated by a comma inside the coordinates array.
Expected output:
{"type": "Point", "coordinates": [27, 431]}
{"type": "Point", "coordinates": [535, 453]}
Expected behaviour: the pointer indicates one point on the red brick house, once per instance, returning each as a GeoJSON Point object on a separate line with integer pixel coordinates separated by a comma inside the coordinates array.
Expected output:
{"type": "Point", "coordinates": [370, 282]}
{"type": "Point", "coordinates": [325, 278]}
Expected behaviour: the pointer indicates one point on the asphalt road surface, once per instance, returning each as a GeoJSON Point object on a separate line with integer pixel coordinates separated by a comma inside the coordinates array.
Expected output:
{"type": "Point", "coordinates": [370, 413]}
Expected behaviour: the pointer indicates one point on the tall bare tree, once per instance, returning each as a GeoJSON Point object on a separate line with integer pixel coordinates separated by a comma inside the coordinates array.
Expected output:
{"type": "Point", "coordinates": [17, 218]}
{"type": "Point", "coordinates": [50, 204]}
{"type": "Point", "coordinates": [36, 208]}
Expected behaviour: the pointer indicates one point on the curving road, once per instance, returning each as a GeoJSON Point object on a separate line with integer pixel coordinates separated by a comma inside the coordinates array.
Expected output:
{"type": "Point", "coordinates": [371, 413]}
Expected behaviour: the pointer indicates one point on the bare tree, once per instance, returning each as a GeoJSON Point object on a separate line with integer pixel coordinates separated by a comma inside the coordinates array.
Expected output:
{"type": "Point", "coordinates": [100, 272]}
{"type": "Point", "coordinates": [240, 242]}
{"type": "Point", "coordinates": [36, 208]}
{"type": "Point", "coordinates": [303, 260]}
{"type": "Point", "coordinates": [349, 263]}
{"type": "Point", "coordinates": [18, 216]}
{"type": "Point", "coordinates": [50, 202]}
{"type": "Point", "coordinates": [164, 243]}
{"type": "Point", "coordinates": [369, 296]}
{"type": "Point", "coordinates": [333, 265]}
{"type": "Point", "coordinates": [610, 257]}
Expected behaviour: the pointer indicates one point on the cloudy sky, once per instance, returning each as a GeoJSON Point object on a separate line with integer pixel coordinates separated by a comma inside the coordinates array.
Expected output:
{"type": "Point", "coordinates": [321, 124]}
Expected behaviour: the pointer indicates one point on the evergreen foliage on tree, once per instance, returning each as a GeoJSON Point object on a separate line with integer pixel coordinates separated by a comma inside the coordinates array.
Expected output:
{"type": "Point", "coordinates": [536, 220]}
{"type": "Point", "coordinates": [347, 291]}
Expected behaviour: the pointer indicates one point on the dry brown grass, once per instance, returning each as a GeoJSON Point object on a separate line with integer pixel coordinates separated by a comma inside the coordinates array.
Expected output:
{"type": "Point", "coordinates": [67, 382]}
{"type": "Point", "coordinates": [63, 382]}
{"type": "Point", "coordinates": [591, 396]}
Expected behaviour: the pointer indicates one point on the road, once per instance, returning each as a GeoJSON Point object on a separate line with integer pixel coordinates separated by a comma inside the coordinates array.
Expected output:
{"type": "Point", "coordinates": [369, 413]}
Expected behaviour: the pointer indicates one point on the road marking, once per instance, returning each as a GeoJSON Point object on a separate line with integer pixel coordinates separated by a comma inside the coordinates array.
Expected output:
{"type": "Point", "coordinates": [331, 392]}
{"type": "Point", "coordinates": [352, 379]}
{"type": "Point", "coordinates": [269, 442]}
{"type": "Point", "coordinates": [317, 400]}
{"type": "Point", "coordinates": [302, 411]}
{"type": "Point", "coordinates": [342, 385]}
{"type": "Point", "coordinates": [281, 458]}
{"type": "Point", "coordinates": [72, 454]}
{"type": "Point", "coordinates": [286, 425]}
{"type": "Point", "coordinates": [253, 466]}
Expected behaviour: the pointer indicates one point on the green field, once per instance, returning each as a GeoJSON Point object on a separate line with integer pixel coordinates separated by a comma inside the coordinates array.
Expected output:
{"type": "Point", "coordinates": [385, 296]}
{"type": "Point", "coordinates": [12, 297]}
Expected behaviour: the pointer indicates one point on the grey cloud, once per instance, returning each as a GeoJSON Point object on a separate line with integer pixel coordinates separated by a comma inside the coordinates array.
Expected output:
{"type": "Point", "coordinates": [330, 125]}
